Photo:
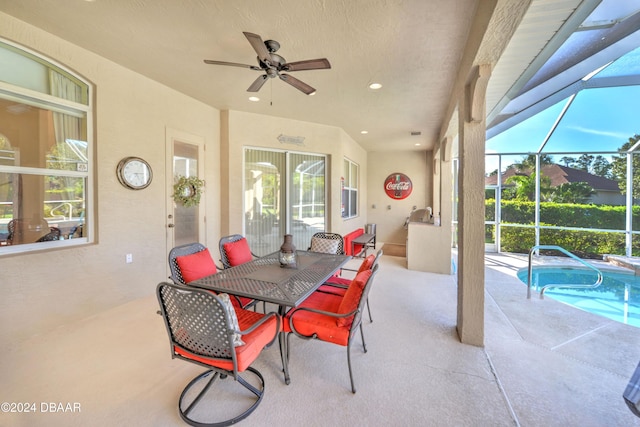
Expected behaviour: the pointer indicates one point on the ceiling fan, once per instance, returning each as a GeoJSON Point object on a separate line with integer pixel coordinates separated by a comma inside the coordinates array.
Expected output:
{"type": "Point", "coordinates": [273, 65]}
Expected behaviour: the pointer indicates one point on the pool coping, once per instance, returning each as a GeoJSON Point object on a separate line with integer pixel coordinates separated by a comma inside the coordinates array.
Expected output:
{"type": "Point", "coordinates": [632, 263]}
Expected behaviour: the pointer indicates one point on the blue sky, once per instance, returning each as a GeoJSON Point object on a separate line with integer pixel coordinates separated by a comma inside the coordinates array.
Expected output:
{"type": "Point", "coordinates": [598, 120]}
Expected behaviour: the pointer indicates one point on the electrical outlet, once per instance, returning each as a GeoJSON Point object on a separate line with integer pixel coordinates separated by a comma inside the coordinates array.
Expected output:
{"type": "Point", "coordinates": [129, 258]}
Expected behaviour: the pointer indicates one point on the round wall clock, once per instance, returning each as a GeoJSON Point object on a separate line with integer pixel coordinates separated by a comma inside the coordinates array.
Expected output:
{"type": "Point", "coordinates": [134, 173]}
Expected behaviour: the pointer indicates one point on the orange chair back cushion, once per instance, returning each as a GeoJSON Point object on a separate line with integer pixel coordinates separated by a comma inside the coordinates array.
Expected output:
{"type": "Point", "coordinates": [352, 297]}
{"type": "Point", "coordinates": [238, 252]}
{"type": "Point", "coordinates": [367, 263]}
{"type": "Point", "coordinates": [196, 266]}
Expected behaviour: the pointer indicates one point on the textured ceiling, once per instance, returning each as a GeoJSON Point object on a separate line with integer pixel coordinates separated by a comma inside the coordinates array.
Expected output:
{"type": "Point", "coordinates": [411, 47]}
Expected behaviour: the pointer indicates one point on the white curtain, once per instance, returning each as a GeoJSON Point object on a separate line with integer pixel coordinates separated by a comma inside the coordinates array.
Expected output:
{"type": "Point", "coordinates": [68, 154]}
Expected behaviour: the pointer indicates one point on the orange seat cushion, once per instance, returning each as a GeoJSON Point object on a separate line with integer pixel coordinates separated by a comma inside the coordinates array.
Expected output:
{"type": "Point", "coordinates": [244, 301]}
{"type": "Point", "coordinates": [238, 252]}
{"type": "Point", "coordinates": [352, 297]}
{"type": "Point", "coordinates": [344, 281]}
{"type": "Point", "coordinates": [196, 266]}
{"type": "Point", "coordinates": [325, 327]}
{"type": "Point", "coordinates": [254, 342]}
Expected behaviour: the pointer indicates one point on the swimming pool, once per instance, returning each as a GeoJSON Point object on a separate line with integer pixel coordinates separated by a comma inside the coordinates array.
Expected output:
{"type": "Point", "coordinates": [617, 298]}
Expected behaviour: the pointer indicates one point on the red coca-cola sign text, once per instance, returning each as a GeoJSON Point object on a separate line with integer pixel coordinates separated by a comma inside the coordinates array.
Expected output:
{"type": "Point", "coordinates": [398, 186]}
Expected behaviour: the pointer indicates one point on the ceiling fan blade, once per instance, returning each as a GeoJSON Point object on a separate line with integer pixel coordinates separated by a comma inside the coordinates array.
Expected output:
{"type": "Point", "coordinates": [233, 64]}
{"type": "Point", "coordinates": [309, 64]}
{"type": "Point", "coordinates": [259, 47]}
{"type": "Point", "coordinates": [301, 86]}
{"type": "Point", "coordinates": [258, 83]}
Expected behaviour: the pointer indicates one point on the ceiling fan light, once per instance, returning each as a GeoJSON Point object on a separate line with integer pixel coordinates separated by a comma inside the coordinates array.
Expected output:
{"type": "Point", "coordinates": [312, 93]}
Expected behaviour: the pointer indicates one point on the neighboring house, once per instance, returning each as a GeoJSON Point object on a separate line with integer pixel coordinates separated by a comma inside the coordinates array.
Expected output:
{"type": "Point", "coordinates": [607, 190]}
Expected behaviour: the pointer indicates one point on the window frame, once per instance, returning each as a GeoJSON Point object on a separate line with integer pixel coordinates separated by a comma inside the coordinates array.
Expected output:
{"type": "Point", "coordinates": [85, 109]}
{"type": "Point", "coordinates": [285, 189]}
{"type": "Point", "coordinates": [349, 191]}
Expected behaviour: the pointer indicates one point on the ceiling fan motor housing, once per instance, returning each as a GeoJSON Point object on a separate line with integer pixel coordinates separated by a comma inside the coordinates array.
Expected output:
{"type": "Point", "coordinates": [272, 45]}
{"type": "Point", "coordinates": [271, 72]}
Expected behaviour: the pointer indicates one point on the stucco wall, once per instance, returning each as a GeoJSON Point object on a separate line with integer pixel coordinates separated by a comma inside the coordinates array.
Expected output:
{"type": "Point", "coordinates": [390, 214]}
{"type": "Point", "coordinates": [242, 130]}
{"type": "Point", "coordinates": [44, 290]}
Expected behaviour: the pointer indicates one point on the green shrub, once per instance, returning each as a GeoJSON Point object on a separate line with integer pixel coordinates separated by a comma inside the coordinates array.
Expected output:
{"type": "Point", "coordinates": [583, 243]}
{"type": "Point", "coordinates": [565, 214]}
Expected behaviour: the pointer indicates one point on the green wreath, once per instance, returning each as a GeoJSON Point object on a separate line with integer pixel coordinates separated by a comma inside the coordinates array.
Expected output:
{"type": "Point", "coordinates": [187, 191]}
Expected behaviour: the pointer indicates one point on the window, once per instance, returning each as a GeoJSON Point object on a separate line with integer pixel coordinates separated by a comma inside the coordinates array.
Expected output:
{"type": "Point", "coordinates": [350, 189]}
{"type": "Point", "coordinates": [45, 153]}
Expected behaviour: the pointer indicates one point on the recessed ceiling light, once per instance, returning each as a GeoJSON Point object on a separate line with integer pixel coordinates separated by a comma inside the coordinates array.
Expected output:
{"type": "Point", "coordinates": [375, 86]}
{"type": "Point", "coordinates": [417, 144]}
{"type": "Point", "coordinates": [254, 99]}
{"type": "Point", "coordinates": [364, 132]}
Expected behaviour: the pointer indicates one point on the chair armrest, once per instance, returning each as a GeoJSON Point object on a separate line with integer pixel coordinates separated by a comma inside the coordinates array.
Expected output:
{"type": "Point", "coordinates": [335, 285]}
{"type": "Point", "coordinates": [314, 310]}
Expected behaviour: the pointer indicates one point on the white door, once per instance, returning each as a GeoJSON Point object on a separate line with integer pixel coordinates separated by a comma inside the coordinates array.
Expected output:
{"type": "Point", "coordinates": [185, 157]}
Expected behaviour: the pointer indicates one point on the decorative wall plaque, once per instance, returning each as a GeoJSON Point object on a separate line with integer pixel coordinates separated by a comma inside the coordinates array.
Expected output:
{"type": "Point", "coordinates": [398, 186]}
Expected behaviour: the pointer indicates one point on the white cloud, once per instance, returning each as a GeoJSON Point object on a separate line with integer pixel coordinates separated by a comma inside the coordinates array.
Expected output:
{"type": "Point", "coordinates": [617, 135]}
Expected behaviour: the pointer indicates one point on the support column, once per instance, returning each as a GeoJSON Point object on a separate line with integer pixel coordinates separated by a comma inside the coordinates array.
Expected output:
{"type": "Point", "coordinates": [472, 129]}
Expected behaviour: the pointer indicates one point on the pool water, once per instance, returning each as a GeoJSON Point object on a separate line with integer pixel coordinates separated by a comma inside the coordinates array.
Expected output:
{"type": "Point", "coordinates": [617, 298]}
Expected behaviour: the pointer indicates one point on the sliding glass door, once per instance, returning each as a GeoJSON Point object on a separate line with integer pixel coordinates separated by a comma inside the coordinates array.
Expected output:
{"type": "Point", "coordinates": [284, 192]}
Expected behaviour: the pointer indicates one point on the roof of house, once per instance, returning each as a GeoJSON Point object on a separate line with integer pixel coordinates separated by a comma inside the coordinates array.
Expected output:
{"type": "Point", "coordinates": [560, 175]}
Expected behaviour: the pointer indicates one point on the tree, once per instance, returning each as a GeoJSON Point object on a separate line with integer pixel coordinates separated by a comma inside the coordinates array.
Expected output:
{"type": "Point", "coordinates": [568, 161]}
{"type": "Point", "coordinates": [571, 192]}
{"type": "Point", "coordinates": [597, 165]}
{"type": "Point", "coordinates": [601, 167]}
{"type": "Point", "coordinates": [584, 162]}
{"type": "Point", "coordinates": [619, 167]}
{"type": "Point", "coordinates": [525, 186]}
{"type": "Point", "coordinates": [529, 162]}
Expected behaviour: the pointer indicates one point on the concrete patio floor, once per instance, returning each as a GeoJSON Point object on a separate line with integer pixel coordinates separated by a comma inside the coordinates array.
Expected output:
{"type": "Point", "coordinates": [543, 364]}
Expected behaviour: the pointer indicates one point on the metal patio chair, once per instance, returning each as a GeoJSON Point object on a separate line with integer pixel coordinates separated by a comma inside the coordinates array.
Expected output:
{"type": "Point", "coordinates": [339, 285]}
{"type": "Point", "coordinates": [205, 329]}
{"type": "Point", "coordinates": [332, 318]}
{"type": "Point", "coordinates": [193, 261]}
{"type": "Point", "coordinates": [234, 250]}
{"type": "Point", "coordinates": [332, 243]}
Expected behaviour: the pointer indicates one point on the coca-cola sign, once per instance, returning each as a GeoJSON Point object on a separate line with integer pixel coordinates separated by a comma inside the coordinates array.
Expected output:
{"type": "Point", "coordinates": [398, 186]}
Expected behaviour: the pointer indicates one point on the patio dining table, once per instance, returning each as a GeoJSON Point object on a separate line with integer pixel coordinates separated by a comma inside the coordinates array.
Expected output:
{"type": "Point", "coordinates": [263, 279]}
